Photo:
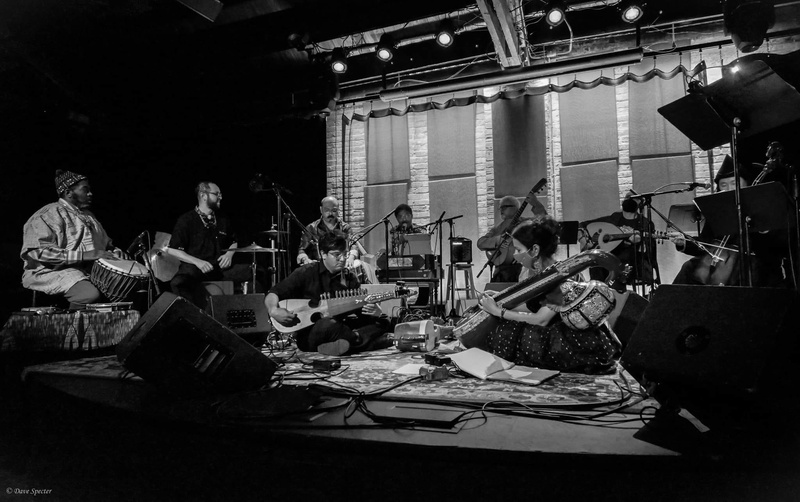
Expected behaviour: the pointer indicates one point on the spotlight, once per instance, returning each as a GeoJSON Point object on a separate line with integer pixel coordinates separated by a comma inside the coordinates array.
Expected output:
{"type": "Point", "coordinates": [338, 60]}
{"type": "Point", "coordinates": [747, 22]}
{"type": "Point", "coordinates": [631, 11]}
{"type": "Point", "coordinates": [385, 49]}
{"type": "Point", "coordinates": [445, 35]}
{"type": "Point", "coordinates": [555, 12]}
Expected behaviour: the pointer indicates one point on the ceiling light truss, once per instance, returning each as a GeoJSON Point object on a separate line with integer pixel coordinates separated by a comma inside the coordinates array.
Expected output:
{"type": "Point", "coordinates": [497, 16]}
{"type": "Point", "coordinates": [357, 50]}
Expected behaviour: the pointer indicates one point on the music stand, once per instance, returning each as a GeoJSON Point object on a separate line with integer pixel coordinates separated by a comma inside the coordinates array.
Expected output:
{"type": "Point", "coordinates": [745, 102]}
{"type": "Point", "coordinates": [760, 204]}
{"type": "Point", "coordinates": [686, 216]}
{"type": "Point", "coordinates": [416, 243]}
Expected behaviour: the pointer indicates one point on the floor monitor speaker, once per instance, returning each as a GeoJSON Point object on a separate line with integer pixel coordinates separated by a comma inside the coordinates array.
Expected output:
{"type": "Point", "coordinates": [711, 342]}
{"type": "Point", "coordinates": [180, 348]}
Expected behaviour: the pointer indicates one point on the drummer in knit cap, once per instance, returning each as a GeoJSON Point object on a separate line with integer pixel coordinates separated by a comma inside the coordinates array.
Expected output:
{"type": "Point", "coordinates": [61, 241]}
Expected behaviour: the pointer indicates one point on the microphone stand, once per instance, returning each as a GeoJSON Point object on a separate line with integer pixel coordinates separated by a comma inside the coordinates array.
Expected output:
{"type": "Point", "coordinates": [149, 266]}
{"type": "Point", "coordinates": [496, 253]}
{"type": "Point", "coordinates": [646, 201]}
{"type": "Point", "coordinates": [293, 217]}
{"type": "Point", "coordinates": [451, 278]}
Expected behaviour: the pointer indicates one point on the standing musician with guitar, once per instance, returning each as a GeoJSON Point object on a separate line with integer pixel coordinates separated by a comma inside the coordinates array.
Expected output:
{"type": "Point", "coordinates": [717, 265]}
{"type": "Point", "coordinates": [506, 269]}
{"type": "Point", "coordinates": [328, 334]}
{"type": "Point", "coordinates": [637, 249]}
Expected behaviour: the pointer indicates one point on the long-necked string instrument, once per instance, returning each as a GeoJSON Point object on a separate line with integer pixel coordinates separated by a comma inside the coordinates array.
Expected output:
{"type": "Point", "coordinates": [719, 267]}
{"type": "Point", "coordinates": [476, 323]}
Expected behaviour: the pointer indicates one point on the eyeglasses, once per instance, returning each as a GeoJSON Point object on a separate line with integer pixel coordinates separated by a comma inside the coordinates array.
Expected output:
{"type": "Point", "coordinates": [506, 205]}
{"type": "Point", "coordinates": [337, 255]}
{"type": "Point", "coordinates": [218, 194]}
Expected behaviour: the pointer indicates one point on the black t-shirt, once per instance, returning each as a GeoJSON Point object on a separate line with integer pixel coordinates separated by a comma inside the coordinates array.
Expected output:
{"type": "Point", "coordinates": [206, 243]}
{"type": "Point", "coordinates": [311, 280]}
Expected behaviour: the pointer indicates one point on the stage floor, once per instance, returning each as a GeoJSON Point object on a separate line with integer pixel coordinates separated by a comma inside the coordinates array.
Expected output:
{"type": "Point", "coordinates": [309, 437]}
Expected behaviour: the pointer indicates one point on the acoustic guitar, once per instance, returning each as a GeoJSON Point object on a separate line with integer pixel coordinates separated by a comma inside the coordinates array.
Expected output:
{"type": "Point", "coordinates": [343, 302]}
{"type": "Point", "coordinates": [607, 236]}
{"type": "Point", "coordinates": [499, 255]}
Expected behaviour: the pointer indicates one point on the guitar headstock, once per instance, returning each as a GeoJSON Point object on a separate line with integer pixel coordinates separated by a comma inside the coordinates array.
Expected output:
{"type": "Point", "coordinates": [531, 197]}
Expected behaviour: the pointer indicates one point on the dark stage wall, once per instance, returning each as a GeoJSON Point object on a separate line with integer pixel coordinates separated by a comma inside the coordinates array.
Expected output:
{"type": "Point", "coordinates": [144, 183]}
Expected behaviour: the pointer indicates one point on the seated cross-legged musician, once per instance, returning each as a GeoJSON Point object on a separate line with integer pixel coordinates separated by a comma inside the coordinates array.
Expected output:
{"type": "Point", "coordinates": [353, 331]}
{"type": "Point", "coordinates": [61, 242]}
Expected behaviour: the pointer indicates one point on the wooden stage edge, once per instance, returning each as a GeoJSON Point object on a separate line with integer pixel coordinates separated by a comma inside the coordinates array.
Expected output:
{"type": "Point", "coordinates": [123, 439]}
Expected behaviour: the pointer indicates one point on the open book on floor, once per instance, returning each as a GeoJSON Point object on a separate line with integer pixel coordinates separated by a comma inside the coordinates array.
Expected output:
{"type": "Point", "coordinates": [486, 366]}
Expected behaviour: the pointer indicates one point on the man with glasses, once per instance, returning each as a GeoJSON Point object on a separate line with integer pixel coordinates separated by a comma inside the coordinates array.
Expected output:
{"type": "Point", "coordinates": [367, 329]}
{"type": "Point", "coordinates": [506, 269]}
{"type": "Point", "coordinates": [198, 239]}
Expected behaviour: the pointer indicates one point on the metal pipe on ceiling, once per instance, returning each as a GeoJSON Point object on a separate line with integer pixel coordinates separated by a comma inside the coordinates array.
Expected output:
{"type": "Point", "coordinates": [516, 76]}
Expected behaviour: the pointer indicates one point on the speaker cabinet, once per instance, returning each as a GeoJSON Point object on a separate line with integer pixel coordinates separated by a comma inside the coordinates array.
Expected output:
{"type": "Point", "coordinates": [245, 315]}
{"type": "Point", "coordinates": [713, 342]}
{"type": "Point", "coordinates": [460, 250]}
{"type": "Point", "coordinates": [178, 347]}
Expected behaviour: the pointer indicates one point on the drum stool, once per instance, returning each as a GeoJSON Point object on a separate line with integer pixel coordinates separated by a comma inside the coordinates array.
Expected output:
{"type": "Point", "coordinates": [41, 299]}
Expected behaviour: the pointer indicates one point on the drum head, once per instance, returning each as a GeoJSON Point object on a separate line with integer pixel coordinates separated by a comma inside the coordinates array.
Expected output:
{"type": "Point", "coordinates": [128, 267]}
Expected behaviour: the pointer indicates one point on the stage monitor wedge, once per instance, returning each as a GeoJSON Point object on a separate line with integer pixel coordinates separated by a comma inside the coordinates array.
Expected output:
{"type": "Point", "coordinates": [178, 347]}
{"type": "Point", "coordinates": [723, 342]}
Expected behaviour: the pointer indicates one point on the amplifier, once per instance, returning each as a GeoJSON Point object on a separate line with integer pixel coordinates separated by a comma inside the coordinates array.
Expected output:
{"type": "Point", "coordinates": [460, 250]}
{"type": "Point", "coordinates": [245, 315]}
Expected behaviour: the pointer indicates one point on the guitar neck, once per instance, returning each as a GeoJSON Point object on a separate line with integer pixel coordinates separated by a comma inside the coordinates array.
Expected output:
{"type": "Point", "coordinates": [338, 306]}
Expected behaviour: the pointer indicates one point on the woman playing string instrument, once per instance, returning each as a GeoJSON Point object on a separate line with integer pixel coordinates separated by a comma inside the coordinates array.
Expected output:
{"type": "Point", "coordinates": [535, 335]}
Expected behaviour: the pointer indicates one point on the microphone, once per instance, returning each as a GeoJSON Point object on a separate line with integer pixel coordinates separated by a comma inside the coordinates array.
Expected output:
{"type": "Point", "coordinates": [136, 243]}
{"type": "Point", "coordinates": [694, 185]}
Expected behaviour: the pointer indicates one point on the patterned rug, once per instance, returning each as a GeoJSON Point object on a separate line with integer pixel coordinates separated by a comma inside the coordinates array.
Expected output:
{"type": "Point", "coordinates": [373, 373]}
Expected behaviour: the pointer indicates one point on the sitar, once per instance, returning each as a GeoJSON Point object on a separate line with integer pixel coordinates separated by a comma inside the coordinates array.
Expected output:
{"type": "Point", "coordinates": [476, 324]}
{"type": "Point", "coordinates": [331, 305]}
{"type": "Point", "coordinates": [499, 255]}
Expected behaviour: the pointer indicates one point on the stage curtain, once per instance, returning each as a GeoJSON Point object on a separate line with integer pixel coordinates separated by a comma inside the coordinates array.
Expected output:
{"type": "Point", "coordinates": [515, 93]}
{"type": "Point", "coordinates": [650, 133]}
{"type": "Point", "coordinates": [387, 149]}
{"type": "Point", "coordinates": [520, 141]}
{"type": "Point", "coordinates": [451, 139]}
{"type": "Point", "coordinates": [589, 191]}
{"type": "Point", "coordinates": [588, 122]}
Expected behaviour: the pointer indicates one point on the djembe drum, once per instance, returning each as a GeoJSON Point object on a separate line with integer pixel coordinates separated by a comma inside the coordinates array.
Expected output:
{"type": "Point", "coordinates": [117, 279]}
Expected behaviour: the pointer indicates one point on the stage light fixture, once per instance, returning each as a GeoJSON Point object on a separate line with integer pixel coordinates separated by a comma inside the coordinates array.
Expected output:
{"type": "Point", "coordinates": [555, 12]}
{"type": "Point", "coordinates": [445, 34]}
{"type": "Point", "coordinates": [385, 49]}
{"type": "Point", "coordinates": [747, 22]}
{"type": "Point", "coordinates": [338, 60]}
{"type": "Point", "coordinates": [631, 11]}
